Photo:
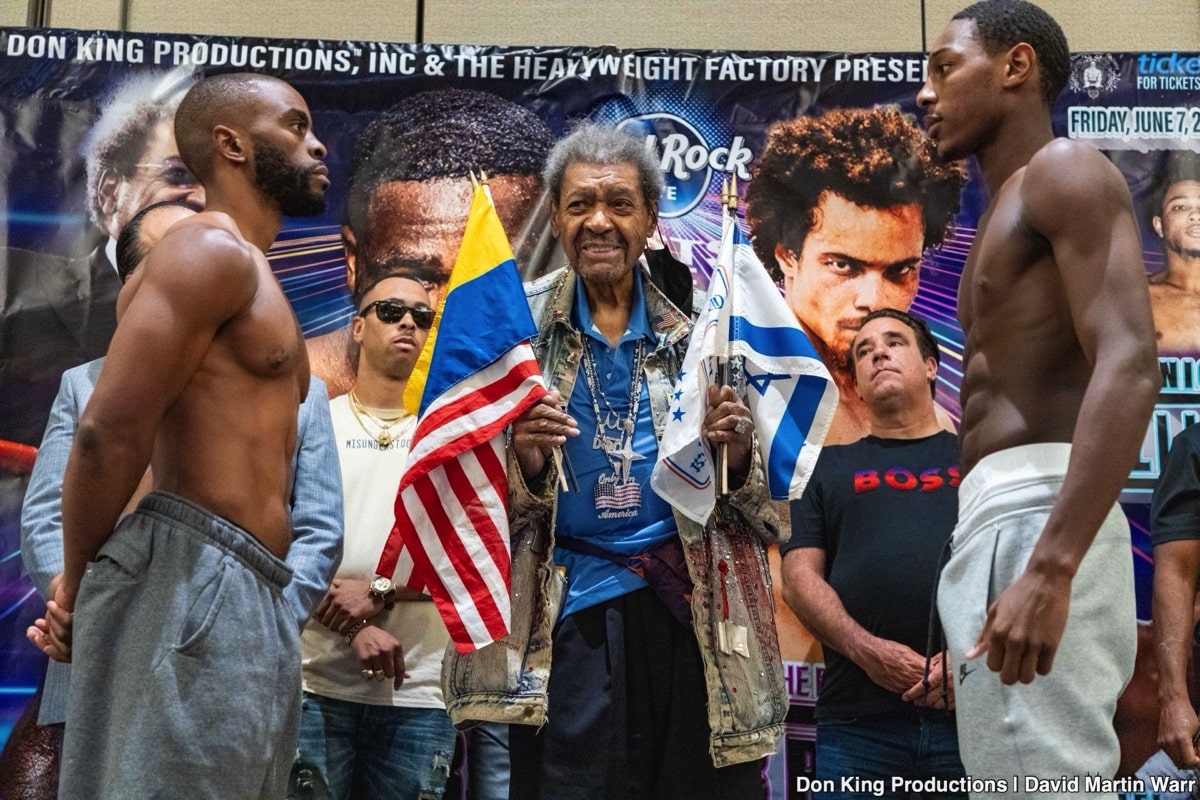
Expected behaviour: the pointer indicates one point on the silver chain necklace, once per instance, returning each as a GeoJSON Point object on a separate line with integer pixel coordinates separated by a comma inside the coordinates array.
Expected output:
{"type": "Point", "coordinates": [618, 494]}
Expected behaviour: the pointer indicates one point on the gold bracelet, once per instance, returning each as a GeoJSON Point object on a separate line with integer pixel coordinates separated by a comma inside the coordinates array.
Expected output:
{"type": "Point", "coordinates": [350, 634]}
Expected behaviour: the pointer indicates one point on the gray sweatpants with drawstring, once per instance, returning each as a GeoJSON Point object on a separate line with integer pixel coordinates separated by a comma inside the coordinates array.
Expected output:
{"type": "Point", "coordinates": [186, 663]}
{"type": "Point", "coordinates": [1061, 724]}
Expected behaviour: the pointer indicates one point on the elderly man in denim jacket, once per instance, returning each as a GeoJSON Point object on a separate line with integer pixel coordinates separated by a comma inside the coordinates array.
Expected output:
{"type": "Point", "coordinates": [631, 695]}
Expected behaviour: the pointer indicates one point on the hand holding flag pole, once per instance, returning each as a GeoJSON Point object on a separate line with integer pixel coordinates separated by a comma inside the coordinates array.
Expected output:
{"type": "Point", "coordinates": [561, 462]}
{"type": "Point", "coordinates": [789, 392]}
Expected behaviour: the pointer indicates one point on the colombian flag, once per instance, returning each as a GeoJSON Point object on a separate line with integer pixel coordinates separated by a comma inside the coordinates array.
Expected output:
{"type": "Point", "coordinates": [475, 375]}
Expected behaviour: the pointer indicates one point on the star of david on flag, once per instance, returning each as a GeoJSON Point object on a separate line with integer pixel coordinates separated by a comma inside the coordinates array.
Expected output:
{"type": "Point", "coordinates": [791, 396]}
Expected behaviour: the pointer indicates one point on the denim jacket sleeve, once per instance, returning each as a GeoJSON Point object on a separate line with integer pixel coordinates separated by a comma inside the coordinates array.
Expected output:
{"type": "Point", "coordinates": [753, 501]}
{"type": "Point", "coordinates": [527, 504]}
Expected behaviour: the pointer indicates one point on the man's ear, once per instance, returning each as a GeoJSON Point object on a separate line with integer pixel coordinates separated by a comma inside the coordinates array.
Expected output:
{"type": "Point", "coordinates": [356, 328]}
{"type": "Point", "coordinates": [555, 227]}
{"type": "Point", "coordinates": [1156, 222]}
{"type": "Point", "coordinates": [787, 260]}
{"type": "Point", "coordinates": [852, 368]}
{"type": "Point", "coordinates": [1020, 65]}
{"type": "Point", "coordinates": [350, 255]}
{"type": "Point", "coordinates": [106, 192]}
{"type": "Point", "coordinates": [229, 144]}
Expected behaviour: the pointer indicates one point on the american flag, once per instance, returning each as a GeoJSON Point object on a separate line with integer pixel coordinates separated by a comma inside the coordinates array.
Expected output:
{"type": "Point", "coordinates": [475, 375]}
{"type": "Point", "coordinates": [617, 494]}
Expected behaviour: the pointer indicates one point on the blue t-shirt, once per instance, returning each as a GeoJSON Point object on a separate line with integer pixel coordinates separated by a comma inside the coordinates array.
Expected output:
{"type": "Point", "coordinates": [591, 579]}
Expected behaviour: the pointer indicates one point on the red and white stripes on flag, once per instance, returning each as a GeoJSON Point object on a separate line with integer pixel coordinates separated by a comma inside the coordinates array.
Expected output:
{"type": "Point", "coordinates": [475, 375]}
{"type": "Point", "coordinates": [466, 571]}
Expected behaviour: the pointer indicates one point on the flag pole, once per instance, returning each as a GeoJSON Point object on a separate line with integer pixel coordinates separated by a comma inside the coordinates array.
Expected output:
{"type": "Point", "coordinates": [728, 217]}
{"type": "Point", "coordinates": [487, 189]}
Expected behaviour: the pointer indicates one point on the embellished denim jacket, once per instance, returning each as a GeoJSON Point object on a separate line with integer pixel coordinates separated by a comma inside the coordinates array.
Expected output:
{"type": "Point", "coordinates": [732, 607]}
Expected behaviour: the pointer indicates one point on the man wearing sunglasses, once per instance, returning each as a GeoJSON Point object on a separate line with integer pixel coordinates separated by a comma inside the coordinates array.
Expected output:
{"type": "Point", "coordinates": [393, 311]}
{"type": "Point", "coordinates": [373, 722]}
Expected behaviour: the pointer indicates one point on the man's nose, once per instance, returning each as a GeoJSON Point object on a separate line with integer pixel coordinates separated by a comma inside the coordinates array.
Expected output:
{"type": "Point", "coordinates": [869, 291]}
{"type": "Point", "coordinates": [194, 196]}
{"type": "Point", "coordinates": [598, 220]}
{"type": "Point", "coordinates": [926, 97]}
{"type": "Point", "coordinates": [316, 147]}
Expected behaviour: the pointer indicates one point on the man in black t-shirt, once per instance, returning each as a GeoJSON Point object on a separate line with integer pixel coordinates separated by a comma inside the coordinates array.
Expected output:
{"type": "Point", "coordinates": [1175, 527]}
{"type": "Point", "coordinates": [860, 571]}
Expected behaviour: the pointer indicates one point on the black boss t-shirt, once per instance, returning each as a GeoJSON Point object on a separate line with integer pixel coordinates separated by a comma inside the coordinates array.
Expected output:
{"type": "Point", "coordinates": [1175, 507]}
{"type": "Point", "coordinates": [882, 509]}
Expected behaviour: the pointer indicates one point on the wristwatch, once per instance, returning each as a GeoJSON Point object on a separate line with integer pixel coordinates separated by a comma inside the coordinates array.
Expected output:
{"type": "Point", "coordinates": [382, 588]}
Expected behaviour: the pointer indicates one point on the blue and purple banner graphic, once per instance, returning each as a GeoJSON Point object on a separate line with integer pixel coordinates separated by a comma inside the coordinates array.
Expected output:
{"type": "Point", "coordinates": [81, 149]}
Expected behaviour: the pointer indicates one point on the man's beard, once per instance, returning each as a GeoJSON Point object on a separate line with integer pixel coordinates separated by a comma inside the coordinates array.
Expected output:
{"type": "Point", "coordinates": [286, 183]}
{"type": "Point", "coordinates": [1174, 246]}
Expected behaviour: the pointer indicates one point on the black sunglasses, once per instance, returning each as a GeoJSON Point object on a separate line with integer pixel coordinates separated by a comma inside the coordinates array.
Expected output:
{"type": "Point", "coordinates": [389, 311]}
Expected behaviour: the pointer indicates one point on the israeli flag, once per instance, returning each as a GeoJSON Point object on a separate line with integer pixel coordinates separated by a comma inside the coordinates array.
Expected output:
{"type": "Point", "coordinates": [791, 396]}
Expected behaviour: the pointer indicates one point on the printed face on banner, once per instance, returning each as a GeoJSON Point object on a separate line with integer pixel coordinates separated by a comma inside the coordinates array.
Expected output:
{"type": "Point", "coordinates": [888, 363]}
{"type": "Point", "coordinates": [158, 176]}
{"type": "Point", "coordinates": [422, 222]}
{"type": "Point", "coordinates": [1179, 223]}
{"type": "Point", "coordinates": [855, 260]}
{"type": "Point", "coordinates": [601, 220]}
{"type": "Point", "coordinates": [958, 92]}
{"type": "Point", "coordinates": [1173, 294]}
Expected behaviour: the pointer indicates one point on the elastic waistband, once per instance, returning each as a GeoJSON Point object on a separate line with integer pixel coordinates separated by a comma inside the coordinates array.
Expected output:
{"type": "Point", "coordinates": [219, 532]}
{"type": "Point", "coordinates": [1014, 468]}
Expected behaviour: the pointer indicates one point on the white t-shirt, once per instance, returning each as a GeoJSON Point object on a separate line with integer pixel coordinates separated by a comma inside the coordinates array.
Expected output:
{"type": "Point", "coordinates": [370, 476]}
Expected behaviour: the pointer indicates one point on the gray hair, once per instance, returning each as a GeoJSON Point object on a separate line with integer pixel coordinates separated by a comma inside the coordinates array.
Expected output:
{"type": "Point", "coordinates": [128, 115]}
{"type": "Point", "coordinates": [592, 143]}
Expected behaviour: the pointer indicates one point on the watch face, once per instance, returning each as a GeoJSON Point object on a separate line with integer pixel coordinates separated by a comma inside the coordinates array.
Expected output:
{"type": "Point", "coordinates": [381, 585]}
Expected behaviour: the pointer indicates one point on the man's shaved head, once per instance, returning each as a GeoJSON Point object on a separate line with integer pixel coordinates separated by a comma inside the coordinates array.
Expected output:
{"type": "Point", "coordinates": [219, 100]}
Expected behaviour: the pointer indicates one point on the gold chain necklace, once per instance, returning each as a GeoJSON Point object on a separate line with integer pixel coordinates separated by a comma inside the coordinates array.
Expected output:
{"type": "Point", "coordinates": [385, 424]}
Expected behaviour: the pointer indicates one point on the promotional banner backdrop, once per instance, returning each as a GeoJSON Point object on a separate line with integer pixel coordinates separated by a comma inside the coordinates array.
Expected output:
{"type": "Point", "coordinates": [85, 120]}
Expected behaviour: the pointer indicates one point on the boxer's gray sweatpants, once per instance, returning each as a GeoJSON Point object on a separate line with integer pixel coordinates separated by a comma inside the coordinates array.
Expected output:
{"type": "Point", "coordinates": [1061, 724]}
{"type": "Point", "coordinates": [186, 663]}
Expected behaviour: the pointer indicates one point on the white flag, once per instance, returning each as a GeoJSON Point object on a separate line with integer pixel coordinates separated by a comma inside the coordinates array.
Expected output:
{"type": "Point", "coordinates": [791, 395]}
